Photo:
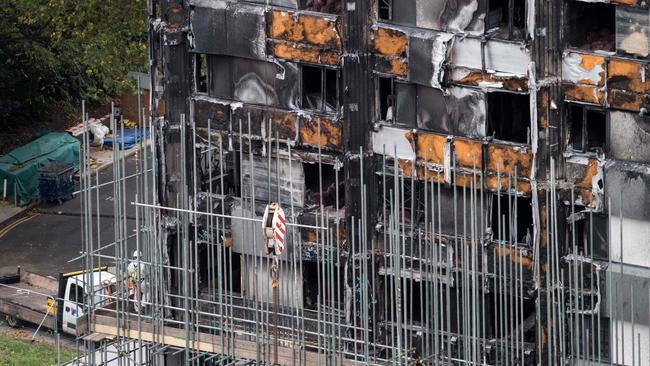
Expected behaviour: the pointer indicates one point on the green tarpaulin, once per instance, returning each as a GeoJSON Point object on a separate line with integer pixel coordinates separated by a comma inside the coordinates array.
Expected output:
{"type": "Point", "coordinates": [20, 166]}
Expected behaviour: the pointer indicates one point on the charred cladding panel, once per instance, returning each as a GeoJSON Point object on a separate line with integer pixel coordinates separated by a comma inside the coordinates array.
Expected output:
{"type": "Point", "coordinates": [464, 16]}
{"type": "Point", "coordinates": [255, 82]}
{"type": "Point", "coordinates": [459, 111]}
{"type": "Point", "coordinates": [629, 136]}
{"type": "Point", "coordinates": [229, 29]}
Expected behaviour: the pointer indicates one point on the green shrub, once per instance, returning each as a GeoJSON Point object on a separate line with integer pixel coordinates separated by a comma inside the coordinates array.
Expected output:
{"type": "Point", "coordinates": [54, 53]}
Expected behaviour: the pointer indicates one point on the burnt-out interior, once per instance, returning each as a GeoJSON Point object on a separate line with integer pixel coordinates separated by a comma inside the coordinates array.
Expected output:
{"type": "Point", "coordinates": [411, 201]}
{"type": "Point", "coordinates": [319, 88]}
{"type": "Point", "coordinates": [587, 128]}
{"type": "Point", "coordinates": [322, 6]}
{"type": "Point", "coordinates": [310, 285]}
{"type": "Point", "coordinates": [507, 18]}
{"type": "Point", "coordinates": [412, 297]}
{"type": "Point", "coordinates": [385, 9]}
{"type": "Point", "coordinates": [325, 174]}
{"type": "Point", "coordinates": [590, 25]}
{"type": "Point", "coordinates": [510, 213]}
{"type": "Point", "coordinates": [586, 345]}
{"type": "Point", "coordinates": [313, 275]}
{"type": "Point", "coordinates": [214, 177]}
{"type": "Point", "coordinates": [201, 72]}
{"type": "Point", "coordinates": [509, 117]}
{"type": "Point", "coordinates": [385, 99]}
{"type": "Point", "coordinates": [499, 304]}
{"type": "Point", "coordinates": [589, 236]}
{"type": "Point", "coordinates": [225, 272]}
{"type": "Point", "coordinates": [422, 204]}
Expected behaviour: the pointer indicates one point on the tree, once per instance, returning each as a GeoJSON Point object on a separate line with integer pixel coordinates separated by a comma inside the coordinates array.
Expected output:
{"type": "Point", "coordinates": [54, 53]}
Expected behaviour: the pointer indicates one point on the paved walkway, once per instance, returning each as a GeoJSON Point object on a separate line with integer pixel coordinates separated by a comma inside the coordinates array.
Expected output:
{"type": "Point", "coordinates": [9, 211]}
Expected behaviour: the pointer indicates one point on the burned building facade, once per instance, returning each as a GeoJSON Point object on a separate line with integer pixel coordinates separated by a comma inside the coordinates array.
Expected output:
{"type": "Point", "coordinates": [465, 181]}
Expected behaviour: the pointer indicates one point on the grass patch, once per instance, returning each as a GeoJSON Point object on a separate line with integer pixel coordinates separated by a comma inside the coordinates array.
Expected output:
{"type": "Point", "coordinates": [17, 352]}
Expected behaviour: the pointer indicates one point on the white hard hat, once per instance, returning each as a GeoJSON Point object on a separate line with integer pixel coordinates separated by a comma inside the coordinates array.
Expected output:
{"type": "Point", "coordinates": [136, 254]}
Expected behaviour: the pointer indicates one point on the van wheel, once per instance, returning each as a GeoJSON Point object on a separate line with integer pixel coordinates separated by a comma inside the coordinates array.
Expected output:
{"type": "Point", "coordinates": [12, 321]}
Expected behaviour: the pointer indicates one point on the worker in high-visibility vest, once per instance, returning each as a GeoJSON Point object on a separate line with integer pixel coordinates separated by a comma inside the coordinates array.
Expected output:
{"type": "Point", "coordinates": [139, 280]}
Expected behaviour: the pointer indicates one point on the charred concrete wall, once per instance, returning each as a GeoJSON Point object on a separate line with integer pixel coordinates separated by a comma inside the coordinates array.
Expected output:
{"type": "Point", "coordinates": [312, 103]}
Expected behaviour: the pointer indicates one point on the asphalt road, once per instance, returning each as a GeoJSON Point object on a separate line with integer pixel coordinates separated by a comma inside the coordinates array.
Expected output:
{"type": "Point", "coordinates": [48, 241]}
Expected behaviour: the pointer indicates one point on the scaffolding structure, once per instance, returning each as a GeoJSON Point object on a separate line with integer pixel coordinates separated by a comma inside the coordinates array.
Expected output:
{"type": "Point", "coordinates": [475, 296]}
{"type": "Point", "coordinates": [452, 196]}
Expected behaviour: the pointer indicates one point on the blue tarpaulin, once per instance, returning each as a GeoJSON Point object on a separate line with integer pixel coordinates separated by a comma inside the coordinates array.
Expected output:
{"type": "Point", "coordinates": [130, 138]}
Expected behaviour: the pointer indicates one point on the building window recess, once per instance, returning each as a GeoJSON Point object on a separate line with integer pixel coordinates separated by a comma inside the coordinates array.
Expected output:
{"type": "Point", "coordinates": [507, 18]}
{"type": "Point", "coordinates": [587, 129]}
{"type": "Point", "coordinates": [512, 219]}
{"type": "Point", "coordinates": [320, 89]}
{"type": "Point", "coordinates": [591, 26]}
{"type": "Point", "coordinates": [509, 117]}
{"type": "Point", "coordinates": [322, 6]}
{"type": "Point", "coordinates": [385, 99]}
{"type": "Point", "coordinates": [201, 73]}
{"type": "Point", "coordinates": [320, 187]}
{"type": "Point", "coordinates": [385, 9]}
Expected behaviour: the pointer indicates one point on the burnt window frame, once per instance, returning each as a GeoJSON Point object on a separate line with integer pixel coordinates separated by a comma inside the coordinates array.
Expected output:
{"type": "Point", "coordinates": [567, 29]}
{"type": "Point", "coordinates": [323, 91]}
{"type": "Point", "coordinates": [379, 113]}
{"type": "Point", "coordinates": [201, 65]}
{"type": "Point", "coordinates": [591, 234]}
{"type": "Point", "coordinates": [489, 121]}
{"type": "Point", "coordinates": [302, 5]}
{"type": "Point", "coordinates": [328, 175]}
{"type": "Point", "coordinates": [584, 135]}
{"type": "Point", "coordinates": [510, 25]}
{"type": "Point", "coordinates": [518, 207]}
{"type": "Point", "coordinates": [397, 86]}
{"type": "Point", "coordinates": [388, 8]}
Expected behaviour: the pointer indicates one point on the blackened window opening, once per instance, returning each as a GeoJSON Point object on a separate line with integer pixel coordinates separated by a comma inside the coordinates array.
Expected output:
{"type": "Point", "coordinates": [500, 324]}
{"type": "Point", "coordinates": [595, 124]}
{"type": "Point", "coordinates": [313, 178]}
{"type": "Point", "coordinates": [590, 236]}
{"type": "Point", "coordinates": [385, 9]}
{"type": "Point", "coordinates": [507, 18]}
{"type": "Point", "coordinates": [201, 69]}
{"type": "Point", "coordinates": [412, 306]}
{"type": "Point", "coordinates": [509, 116]}
{"type": "Point", "coordinates": [322, 6]}
{"type": "Point", "coordinates": [211, 263]}
{"type": "Point", "coordinates": [310, 285]}
{"type": "Point", "coordinates": [576, 123]}
{"type": "Point", "coordinates": [590, 26]}
{"type": "Point", "coordinates": [510, 213]}
{"type": "Point", "coordinates": [588, 128]}
{"type": "Point", "coordinates": [331, 90]}
{"type": "Point", "coordinates": [319, 89]}
{"type": "Point", "coordinates": [385, 99]}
